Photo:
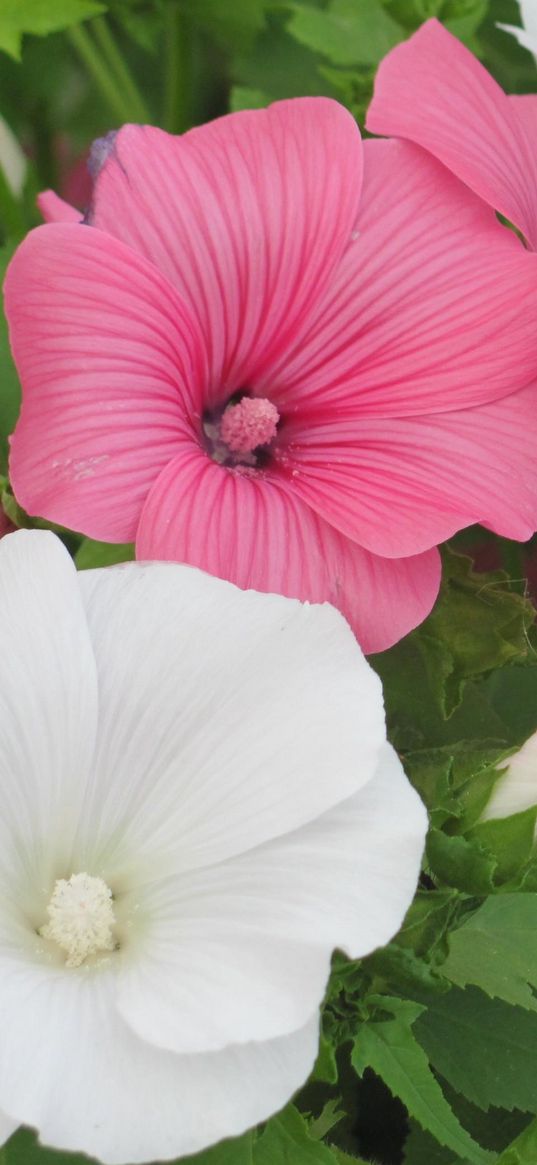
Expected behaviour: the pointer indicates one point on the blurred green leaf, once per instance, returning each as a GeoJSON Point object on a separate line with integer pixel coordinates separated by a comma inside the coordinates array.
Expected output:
{"type": "Point", "coordinates": [40, 17]}
{"type": "Point", "coordinates": [347, 32]}
{"type": "Point", "coordinates": [93, 554]}
{"type": "Point", "coordinates": [241, 97]}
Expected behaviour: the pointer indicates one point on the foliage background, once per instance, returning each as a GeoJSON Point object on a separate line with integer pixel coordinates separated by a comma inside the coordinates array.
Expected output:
{"type": "Point", "coordinates": [429, 1047]}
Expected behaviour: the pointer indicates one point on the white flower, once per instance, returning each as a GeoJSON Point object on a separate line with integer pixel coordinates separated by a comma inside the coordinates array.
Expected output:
{"type": "Point", "coordinates": [527, 35]}
{"type": "Point", "coordinates": [516, 789]}
{"type": "Point", "coordinates": [197, 804]}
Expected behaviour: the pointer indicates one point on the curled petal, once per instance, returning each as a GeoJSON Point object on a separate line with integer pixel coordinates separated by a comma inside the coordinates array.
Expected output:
{"type": "Point", "coordinates": [434, 92]}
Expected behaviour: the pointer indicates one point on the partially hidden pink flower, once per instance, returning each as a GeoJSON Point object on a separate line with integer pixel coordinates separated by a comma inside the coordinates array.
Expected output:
{"type": "Point", "coordinates": [294, 359]}
{"type": "Point", "coordinates": [431, 90]}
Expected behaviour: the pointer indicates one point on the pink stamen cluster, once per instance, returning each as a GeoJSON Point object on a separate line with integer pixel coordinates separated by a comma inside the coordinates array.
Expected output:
{"type": "Point", "coordinates": [251, 422]}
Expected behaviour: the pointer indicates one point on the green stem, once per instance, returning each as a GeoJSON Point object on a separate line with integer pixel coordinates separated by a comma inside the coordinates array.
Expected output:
{"type": "Point", "coordinates": [177, 69]}
{"type": "Point", "coordinates": [106, 83]}
{"type": "Point", "coordinates": [119, 67]}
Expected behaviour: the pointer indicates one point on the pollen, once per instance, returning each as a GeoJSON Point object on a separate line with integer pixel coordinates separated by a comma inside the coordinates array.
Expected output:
{"type": "Point", "coordinates": [81, 918]}
{"type": "Point", "coordinates": [248, 424]}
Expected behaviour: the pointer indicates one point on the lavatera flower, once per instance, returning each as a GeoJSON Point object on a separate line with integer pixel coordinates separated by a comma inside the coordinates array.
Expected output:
{"type": "Point", "coordinates": [294, 359]}
{"type": "Point", "coordinates": [197, 804]}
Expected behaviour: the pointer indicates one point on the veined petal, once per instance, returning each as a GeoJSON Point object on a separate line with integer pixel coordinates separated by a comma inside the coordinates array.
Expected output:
{"type": "Point", "coordinates": [48, 718]}
{"type": "Point", "coordinates": [252, 530]}
{"type": "Point", "coordinates": [72, 1068]}
{"type": "Point", "coordinates": [247, 216]}
{"type": "Point", "coordinates": [432, 307]}
{"type": "Point", "coordinates": [225, 718]}
{"type": "Point", "coordinates": [400, 486]}
{"type": "Point", "coordinates": [241, 951]}
{"type": "Point", "coordinates": [434, 92]}
{"type": "Point", "coordinates": [111, 368]}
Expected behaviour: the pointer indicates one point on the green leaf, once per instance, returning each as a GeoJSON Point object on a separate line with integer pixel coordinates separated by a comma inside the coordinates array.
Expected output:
{"type": "Point", "coordinates": [511, 841]}
{"type": "Point", "coordinates": [348, 32]}
{"type": "Point", "coordinates": [427, 922]}
{"type": "Point", "coordinates": [496, 949]}
{"type": "Point", "coordinates": [232, 25]}
{"type": "Point", "coordinates": [238, 1151]}
{"type": "Point", "coordinates": [287, 1140]}
{"type": "Point", "coordinates": [485, 1048]}
{"type": "Point", "coordinates": [344, 1159]}
{"type": "Point", "coordinates": [241, 97]}
{"type": "Point", "coordinates": [91, 554]}
{"type": "Point", "coordinates": [391, 1049]}
{"type": "Point", "coordinates": [523, 1151]}
{"type": "Point", "coordinates": [40, 17]}
{"type": "Point", "coordinates": [460, 863]}
{"type": "Point", "coordinates": [325, 1068]}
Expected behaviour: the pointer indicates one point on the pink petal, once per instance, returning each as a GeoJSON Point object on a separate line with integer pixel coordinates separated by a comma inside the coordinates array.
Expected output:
{"type": "Point", "coordinates": [248, 529]}
{"type": "Point", "coordinates": [400, 486]}
{"type": "Point", "coordinates": [432, 90]}
{"type": "Point", "coordinates": [55, 209]}
{"type": "Point", "coordinates": [247, 216]}
{"type": "Point", "coordinates": [110, 367]}
{"type": "Point", "coordinates": [433, 306]}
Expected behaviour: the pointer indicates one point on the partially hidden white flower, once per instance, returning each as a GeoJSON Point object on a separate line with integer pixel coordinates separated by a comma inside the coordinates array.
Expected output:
{"type": "Point", "coordinates": [12, 160]}
{"type": "Point", "coordinates": [516, 790]}
{"type": "Point", "coordinates": [527, 35]}
{"type": "Point", "coordinates": [197, 804]}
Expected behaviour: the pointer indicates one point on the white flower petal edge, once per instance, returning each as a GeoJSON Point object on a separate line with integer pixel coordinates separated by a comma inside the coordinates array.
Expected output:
{"type": "Point", "coordinates": [163, 957]}
{"type": "Point", "coordinates": [516, 790]}
{"type": "Point", "coordinates": [241, 950]}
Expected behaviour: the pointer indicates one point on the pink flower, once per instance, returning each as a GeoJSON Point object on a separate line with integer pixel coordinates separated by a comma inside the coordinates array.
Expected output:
{"type": "Point", "coordinates": [293, 359]}
{"type": "Point", "coordinates": [432, 91]}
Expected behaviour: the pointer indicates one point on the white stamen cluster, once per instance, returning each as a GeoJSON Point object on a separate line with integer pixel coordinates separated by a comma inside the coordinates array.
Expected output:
{"type": "Point", "coordinates": [81, 917]}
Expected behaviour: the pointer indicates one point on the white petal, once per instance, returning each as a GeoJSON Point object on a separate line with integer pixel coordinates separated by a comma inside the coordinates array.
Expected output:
{"type": "Point", "coordinates": [71, 1068]}
{"type": "Point", "coordinates": [227, 717]}
{"type": "Point", "coordinates": [240, 951]}
{"type": "Point", "coordinates": [48, 712]}
{"type": "Point", "coordinates": [517, 789]}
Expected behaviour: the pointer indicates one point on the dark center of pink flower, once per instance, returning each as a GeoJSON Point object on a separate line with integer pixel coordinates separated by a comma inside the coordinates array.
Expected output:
{"type": "Point", "coordinates": [242, 433]}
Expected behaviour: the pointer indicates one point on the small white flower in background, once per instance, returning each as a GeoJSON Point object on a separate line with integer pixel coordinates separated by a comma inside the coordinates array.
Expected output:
{"type": "Point", "coordinates": [197, 804]}
{"type": "Point", "coordinates": [527, 35]}
{"type": "Point", "coordinates": [516, 789]}
{"type": "Point", "coordinates": [12, 160]}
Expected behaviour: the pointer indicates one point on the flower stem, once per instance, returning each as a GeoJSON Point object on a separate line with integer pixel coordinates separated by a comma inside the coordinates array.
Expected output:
{"type": "Point", "coordinates": [106, 83]}
{"type": "Point", "coordinates": [178, 69]}
{"type": "Point", "coordinates": [118, 65]}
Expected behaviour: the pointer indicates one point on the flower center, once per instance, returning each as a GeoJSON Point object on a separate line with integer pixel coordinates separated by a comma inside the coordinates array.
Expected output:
{"type": "Point", "coordinates": [81, 917]}
{"type": "Point", "coordinates": [241, 434]}
{"type": "Point", "coordinates": [251, 422]}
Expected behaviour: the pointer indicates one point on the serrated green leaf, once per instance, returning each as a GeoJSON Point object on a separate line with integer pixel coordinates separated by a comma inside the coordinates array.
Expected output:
{"type": "Point", "coordinates": [344, 1159]}
{"type": "Point", "coordinates": [286, 1139]}
{"type": "Point", "coordinates": [92, 554]}
{"type": "Point", "coordinates": [461, 863]}
{"type": "Point", "coordinates": [40, 17]}
{"type": "Point", "coordinates": [347, 32]}
{"type": "Point", "coordinates": [401, 969]}
{"type": "Point", "coordinates": [485, 1048]}
{"type": "Point", "coordinates": [391, 1049]}
{"type": "Point", "coordinates": [496, 949]}
{"type": "Point", "coordinates": [427, 922]}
